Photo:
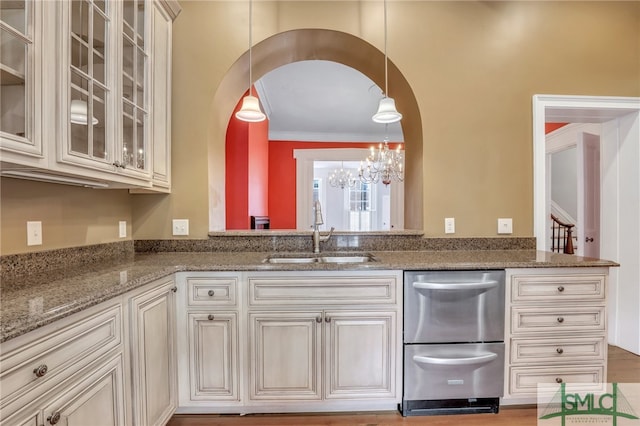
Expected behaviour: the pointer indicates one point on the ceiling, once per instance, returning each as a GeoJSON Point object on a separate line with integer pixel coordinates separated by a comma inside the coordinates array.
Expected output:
{"type": "Point", "coordinates": [322, 101]}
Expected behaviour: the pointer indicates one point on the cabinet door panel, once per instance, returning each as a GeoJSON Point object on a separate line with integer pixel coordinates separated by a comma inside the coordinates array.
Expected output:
{"type": "Point", "coordinates": [214, 356]}
{"type": "Point", "coordinates": [97, 400]}
{"type": "Point", "coordinates": [153, 354]}
{"type": "Point", "coordinates": [285, 355]}
{"type": "Point", "coordinates": [360, 354]}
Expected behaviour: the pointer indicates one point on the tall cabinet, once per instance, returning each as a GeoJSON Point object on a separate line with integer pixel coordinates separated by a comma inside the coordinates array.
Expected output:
{"type": "Point", "coordinates": [86, 91]}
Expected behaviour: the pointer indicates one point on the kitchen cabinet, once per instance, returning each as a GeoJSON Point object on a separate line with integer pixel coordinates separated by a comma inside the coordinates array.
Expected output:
{"type": "Point", "coordinates": [21, 40]}
{"type": "Point", "coordinates": [98, 124]}
{"type": "Point", "coordinates": [70, 372]}
{"type": "Point", "coordinates": [556, 329]}
{"type": "Point", "coordinates": [208, 324]}
{"type": "Point", "coordinates": [326, 338]}
{"type": "Point", "coordinates": [152, 338]}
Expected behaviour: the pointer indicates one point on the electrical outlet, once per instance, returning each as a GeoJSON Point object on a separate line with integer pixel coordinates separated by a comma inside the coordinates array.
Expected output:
{"type": "Point", "coordinates": [449, 225]}
{"type": "Point", "coordinates": [505, 226]}
{"type": "Point", "coordinates": [180, 226]}
{"type": "Point", "coordinates": [34, 233]}
{"type": "Point", "coordinates": [122, 229]}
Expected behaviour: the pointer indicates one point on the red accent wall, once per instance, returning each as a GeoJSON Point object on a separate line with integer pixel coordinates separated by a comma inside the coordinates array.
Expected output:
{"type": "Point", "coordinates": [282, 178]}
{"type": "Point", "coordinates": [246, 171]}
{"type": "Point", "coordinates": [550, 127]}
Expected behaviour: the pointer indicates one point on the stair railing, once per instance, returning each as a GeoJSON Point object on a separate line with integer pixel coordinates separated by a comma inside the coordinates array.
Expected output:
{"type": "Point", "coordinates": [561, 236]}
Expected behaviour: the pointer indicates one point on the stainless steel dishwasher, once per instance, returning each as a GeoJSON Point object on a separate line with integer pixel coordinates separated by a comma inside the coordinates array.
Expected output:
{"type": "Point", "coordinates": [453, 342]}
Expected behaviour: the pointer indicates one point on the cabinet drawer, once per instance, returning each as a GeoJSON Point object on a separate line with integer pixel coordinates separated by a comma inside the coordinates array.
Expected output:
{"type": "Point", "coordinates": [59, 354]}
{"type": "Point", "coordinates": [524, 380]}
{"type": "Point", "coordinates": [322, 291]}
{"type": "Point", "coordinates": [559, 350]}
{"type": "Point", "coordinates": [557, 288]}
{"type": "Point", "coordinates": [557, 319]}
{"type": "Point", "coordinates": [212, 291]}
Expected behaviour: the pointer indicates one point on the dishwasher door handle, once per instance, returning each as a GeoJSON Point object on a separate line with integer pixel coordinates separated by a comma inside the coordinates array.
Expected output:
{"type": "Point", "coordinates": [471, 285]}
{"type": "Point", "coordinates": [480, 359]}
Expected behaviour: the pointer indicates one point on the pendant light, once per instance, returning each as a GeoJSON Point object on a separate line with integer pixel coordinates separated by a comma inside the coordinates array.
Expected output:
{"type": "Point", "coordinates": [250, 110]}
{"type": "Point", "coordinates": [387, 112]}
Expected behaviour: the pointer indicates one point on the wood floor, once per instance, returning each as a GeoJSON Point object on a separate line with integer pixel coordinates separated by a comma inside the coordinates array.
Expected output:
{"type": "Point", "coordinates": [624, 367]}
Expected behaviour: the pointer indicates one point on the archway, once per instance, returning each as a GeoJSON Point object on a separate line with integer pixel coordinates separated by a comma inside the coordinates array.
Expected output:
{"type": "Point", "coordinates": [313, 44]}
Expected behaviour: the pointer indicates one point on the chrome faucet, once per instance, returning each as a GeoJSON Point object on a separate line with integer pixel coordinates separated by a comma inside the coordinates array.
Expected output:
{"type": "Point", "coordinates": [317, 238]}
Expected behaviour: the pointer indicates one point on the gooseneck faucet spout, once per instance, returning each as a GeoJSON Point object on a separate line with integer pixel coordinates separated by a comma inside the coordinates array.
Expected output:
{"type": "Point", "coordinates": [317, 238]}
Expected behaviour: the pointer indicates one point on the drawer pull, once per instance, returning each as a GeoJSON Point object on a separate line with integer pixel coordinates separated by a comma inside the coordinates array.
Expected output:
{"type": "Point", "coordinates": [318, 319]}
{"type": "Point", "coordinates": [210, 317]}
{"type": "Point", "coordinates": [560, 319]}
{"type": "Point", "coordinates": [54, 418]}
{"type": "Point", "coordinates": [174, 289]}
{"type": "Point", "coordinates": [327, 319]}
{"type": "Point", "coordinates": [560, 350]}
{"type": "Point", "coordinates": [558, 379]}
{"type": "Point", "coordinates": [561, 289]}
{"type": "Point", "coordinates": [211, 293]}
{"type": "Point", "coordinates": [41, 370]}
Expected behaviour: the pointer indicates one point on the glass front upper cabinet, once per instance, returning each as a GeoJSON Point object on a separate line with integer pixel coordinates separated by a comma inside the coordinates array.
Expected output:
{"type": "Point", "coordinates": [135, 96]}
{"type": "Point", "coordinates": [18, 89]}
{"type": "Point", "coordinates": [90, 85]}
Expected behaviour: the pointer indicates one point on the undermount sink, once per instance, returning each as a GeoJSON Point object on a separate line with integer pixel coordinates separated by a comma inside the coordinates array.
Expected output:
{"type": "Point", "coordinates": [322, 258]}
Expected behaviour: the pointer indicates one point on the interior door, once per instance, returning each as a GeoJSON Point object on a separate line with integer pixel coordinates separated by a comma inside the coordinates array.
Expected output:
{"type": "Point", "coordinates": [588, 229]}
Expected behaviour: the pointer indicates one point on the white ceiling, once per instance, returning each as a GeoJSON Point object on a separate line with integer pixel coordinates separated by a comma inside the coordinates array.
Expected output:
{"type": "Point", "coordinates": [322, 101]}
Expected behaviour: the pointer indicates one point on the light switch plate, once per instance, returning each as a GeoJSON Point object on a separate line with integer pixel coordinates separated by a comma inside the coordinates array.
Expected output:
{"type": "Point", "coordinates": [449, 225]}
{"type": "Point", "coordinates": [505, 226]}
{"type": "Point", "coordinates": [122, 229]}
{"type": "Point", "coordinates": [180, 226]}
{"type": "Point", "coordinates": [34, 233]}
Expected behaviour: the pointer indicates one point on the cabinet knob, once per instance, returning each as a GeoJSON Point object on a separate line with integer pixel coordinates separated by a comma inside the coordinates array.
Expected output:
{"type": "Point", "coordinates": [210, 317]}
{"type": "Point", "coordinates": [561, 289]}
{"type": "Point", "coordinates": [560, 319]}
{"type": "Point", "coordinates": [211, 292]}
{"type": "Point", "coordinates": [54, 418]}
{"type": "Point", "coordinates": [318, 319]}
{"type": "Point", "coordinates": [560, 350]}
{"type": "Point", "coordinates": [41, 370]}
{"type": "Point", "coordinates": [174, 289]}
{"type": "Point", "coordinates": [558, 379]}
{"type": "Point", "coordinates": [327, 319]}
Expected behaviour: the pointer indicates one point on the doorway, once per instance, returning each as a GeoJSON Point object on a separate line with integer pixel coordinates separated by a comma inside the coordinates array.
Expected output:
{"type": "Point", "coordinates": [619, 188]}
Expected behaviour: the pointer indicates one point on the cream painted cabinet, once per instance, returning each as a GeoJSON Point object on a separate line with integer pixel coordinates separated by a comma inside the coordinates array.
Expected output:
{"type": "Point", "coordinates": [208, 337]}
{"type": "Point", "coordinates": [69, 372]}
{"type": "Point", "coordinates": [331, 339]}
{"type": "Point", "coordinates": [152, 337]}
{"type": "Point", "coordinates": [21, 44]}
{"type": "Point", "coordinates": [556, 329]}
{"type": "Point", "coordinates": [92, 121]}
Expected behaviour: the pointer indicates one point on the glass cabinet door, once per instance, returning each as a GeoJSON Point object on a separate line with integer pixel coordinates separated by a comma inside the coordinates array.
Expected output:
{"type": "Point", "coordinates": [17, 77]}
{"type": "Point", "coordinates": [90, 85]}
{"type": "Point", "coordinates": [135, 103]}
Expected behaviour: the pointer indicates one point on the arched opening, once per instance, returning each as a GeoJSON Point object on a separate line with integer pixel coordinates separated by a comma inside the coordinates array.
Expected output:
{"type": "Point", "coordinates": [310, 44]}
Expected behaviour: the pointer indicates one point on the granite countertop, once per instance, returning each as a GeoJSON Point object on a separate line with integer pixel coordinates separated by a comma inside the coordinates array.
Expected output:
{"type": "Point", "coordinates": [33, 300]}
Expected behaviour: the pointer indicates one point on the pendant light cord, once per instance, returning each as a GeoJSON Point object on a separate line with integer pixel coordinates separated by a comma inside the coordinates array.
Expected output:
{"type": "Point", "coordinates": [250, 44]}
{"type": "Point", "coordinates": [386, 83]}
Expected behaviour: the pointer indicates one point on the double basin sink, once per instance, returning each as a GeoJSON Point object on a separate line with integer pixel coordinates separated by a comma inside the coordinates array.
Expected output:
{"type": "Point", "coordinates": [321, 258]}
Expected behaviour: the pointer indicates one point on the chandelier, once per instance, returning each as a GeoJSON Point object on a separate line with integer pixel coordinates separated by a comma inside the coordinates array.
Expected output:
{"type": "Point", "coordinates": [342, 178]}
{"type": "Point", "coordinates": [382, 164]}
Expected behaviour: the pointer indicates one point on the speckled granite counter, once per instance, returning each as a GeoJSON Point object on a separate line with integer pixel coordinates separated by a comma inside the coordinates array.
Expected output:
{"type": "Point", "coordinates": [31, 301]}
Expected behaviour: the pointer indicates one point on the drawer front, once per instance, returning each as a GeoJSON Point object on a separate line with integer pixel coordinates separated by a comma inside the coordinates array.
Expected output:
{"type": "Point", "coordinates": [557, 320]}
{"type": "Point", "coordinates": [557, 288]}
{"type": "Point", "coordinates": [59, 354]}
{"type": "Point", "coordinates": [559, 350]}
{"type": "Point", "coordinates": [212, 291]}
{"type": "Point", "coordinates": [322, 291]}
{"type": "Point", "coordinates": [524, 381]}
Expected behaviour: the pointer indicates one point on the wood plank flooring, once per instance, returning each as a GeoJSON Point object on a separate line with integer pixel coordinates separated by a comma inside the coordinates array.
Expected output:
{"type": "Point", "coordinates": [624, 367]}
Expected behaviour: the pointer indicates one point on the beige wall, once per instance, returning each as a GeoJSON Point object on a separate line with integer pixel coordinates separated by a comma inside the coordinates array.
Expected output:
{"type": "Point", "coordinates": [473, 68]}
